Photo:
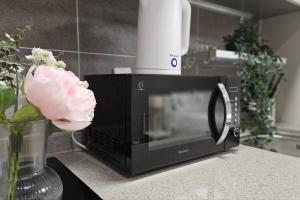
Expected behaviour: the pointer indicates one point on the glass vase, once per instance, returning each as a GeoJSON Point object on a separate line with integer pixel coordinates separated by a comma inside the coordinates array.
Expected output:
{"type": "Point", "coordinates": [23, 170]}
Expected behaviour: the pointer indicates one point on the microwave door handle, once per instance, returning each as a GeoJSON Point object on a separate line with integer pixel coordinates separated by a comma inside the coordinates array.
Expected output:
{"type": "Point", "coordinates": [145, 128]}
{"type": "Point", "coordinates": [228, 113]}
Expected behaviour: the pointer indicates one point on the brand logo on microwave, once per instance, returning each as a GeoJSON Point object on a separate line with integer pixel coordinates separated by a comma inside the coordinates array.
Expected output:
{"type": "Point", "coordinates": [140, 86]}
{"type": "Point", "coordinates": [183, 151]}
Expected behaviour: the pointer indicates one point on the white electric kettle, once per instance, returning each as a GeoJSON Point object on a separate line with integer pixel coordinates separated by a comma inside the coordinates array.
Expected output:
{"type": "Point", "coordinates": [163, 36]}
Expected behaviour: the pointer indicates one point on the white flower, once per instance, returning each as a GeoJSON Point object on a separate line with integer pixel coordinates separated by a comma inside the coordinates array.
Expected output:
{"type": "Point", "coordinates": [84, 84]}
{"type": "Point", "coordinates": [44, 57]}
{"type": "Point", "coordinates": [2, 83]}
{"type": "Point", "coordinates": [9, 37]}
{"type": "Point", "coordinates": [20, 69]}
{"type": "Point", "coordinates": [61, 64]}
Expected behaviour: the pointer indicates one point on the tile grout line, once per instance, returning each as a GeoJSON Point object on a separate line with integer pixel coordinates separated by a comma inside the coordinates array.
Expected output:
{"type": "Point", "coordinates": [56, 50]}
{"type": "Point", "coordinates": [78, 41]}
{"type": "Point", "coordinates": [107, 54]}
{"type": "Point", "coordinates": [84, 52]}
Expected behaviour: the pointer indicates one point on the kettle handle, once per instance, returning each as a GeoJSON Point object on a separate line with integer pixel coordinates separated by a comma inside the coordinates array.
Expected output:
{"type": "Point", "coordinates": [186, 23]}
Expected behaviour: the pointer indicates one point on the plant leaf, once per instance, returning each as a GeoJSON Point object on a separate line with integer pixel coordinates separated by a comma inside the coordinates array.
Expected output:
{"type": "Point", "coordinates": [27, 113]}
{"type": "Point", "coordinates": [7, 98]}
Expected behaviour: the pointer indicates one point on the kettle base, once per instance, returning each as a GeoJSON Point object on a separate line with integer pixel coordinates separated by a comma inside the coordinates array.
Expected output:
{"type": "Point", "coordinates": [156, 71]}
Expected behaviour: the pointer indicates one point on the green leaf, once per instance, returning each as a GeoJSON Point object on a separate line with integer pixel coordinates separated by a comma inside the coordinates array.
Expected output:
{"type": "Point", "coordinates": [27, 113]}
{"type": "Point", "coordinates": [7, 98]}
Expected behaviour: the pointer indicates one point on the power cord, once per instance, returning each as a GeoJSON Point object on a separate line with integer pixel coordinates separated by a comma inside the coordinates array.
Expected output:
{"type": "Point", "coordinates": [76, 142]}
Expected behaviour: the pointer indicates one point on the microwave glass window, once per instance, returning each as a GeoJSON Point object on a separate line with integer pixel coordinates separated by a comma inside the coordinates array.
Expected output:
{"type": "Point", "coordinates": [180, 117]}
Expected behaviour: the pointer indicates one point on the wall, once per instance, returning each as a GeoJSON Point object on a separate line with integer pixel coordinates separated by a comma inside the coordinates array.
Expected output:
{"type": "Point", "coordinates": [283, 33]}
{"type": "Point", "coordinates": [99, 35]}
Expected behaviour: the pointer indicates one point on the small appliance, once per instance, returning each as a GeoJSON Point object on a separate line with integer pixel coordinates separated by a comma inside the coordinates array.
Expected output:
{"type": "Point", "coordinates": [144, 122]}
{"type": "Point", "coordinates": [163, 36]}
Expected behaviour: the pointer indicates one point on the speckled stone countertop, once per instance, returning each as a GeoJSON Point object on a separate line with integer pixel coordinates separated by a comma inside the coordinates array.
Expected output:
{"type": "Point", "coordinates": [242, 173]}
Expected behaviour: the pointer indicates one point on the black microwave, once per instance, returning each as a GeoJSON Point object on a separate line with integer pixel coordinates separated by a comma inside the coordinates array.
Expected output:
{"type": "Point", "coordinates": [145, 122]}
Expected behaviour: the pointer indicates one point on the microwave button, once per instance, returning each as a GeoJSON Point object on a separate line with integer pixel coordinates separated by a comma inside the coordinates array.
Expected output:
{"type": "Point", "coordinates": [233, 89]}
{"type": "Point", "coordinates": [236, 132]}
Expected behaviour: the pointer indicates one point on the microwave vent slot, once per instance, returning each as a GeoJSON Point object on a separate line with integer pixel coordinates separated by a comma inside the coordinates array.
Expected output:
{"type": "Point", "coordinates": [101, 138]}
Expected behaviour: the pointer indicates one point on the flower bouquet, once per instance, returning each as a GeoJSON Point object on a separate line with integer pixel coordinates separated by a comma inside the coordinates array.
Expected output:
{"type": "Point", "coordinates": [33, 97]}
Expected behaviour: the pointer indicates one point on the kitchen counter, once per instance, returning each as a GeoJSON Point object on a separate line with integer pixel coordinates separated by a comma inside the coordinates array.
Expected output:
{"type": "Point", "coordinates": [241, 173]}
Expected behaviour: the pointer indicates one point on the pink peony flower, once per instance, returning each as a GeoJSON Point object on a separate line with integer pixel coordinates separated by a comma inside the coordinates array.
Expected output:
{"type": "Point", "coordinates": [60, 96]}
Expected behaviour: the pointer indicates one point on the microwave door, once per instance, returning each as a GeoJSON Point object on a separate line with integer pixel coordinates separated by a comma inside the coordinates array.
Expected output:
{"type": "Point", "coordinates": [177, 118]}
{"type": "Point", "coordinates": [219, 113]}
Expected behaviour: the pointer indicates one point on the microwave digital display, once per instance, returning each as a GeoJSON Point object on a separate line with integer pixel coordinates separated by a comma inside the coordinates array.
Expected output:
{"type": "Point", "coordinates": [180, 117]}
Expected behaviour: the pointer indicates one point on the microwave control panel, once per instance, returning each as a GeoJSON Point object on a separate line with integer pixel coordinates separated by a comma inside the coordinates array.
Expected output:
{"type": "Point", "coordinates": [234, 99]}
{"type": "Point", "coordinates": [233, 88]}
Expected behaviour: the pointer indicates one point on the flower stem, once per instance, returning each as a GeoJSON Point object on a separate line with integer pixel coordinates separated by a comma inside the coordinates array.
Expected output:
{"type": "Point", "coordinates": [17, 90]}
{"type": "Point", "coordinates": [13, 169]}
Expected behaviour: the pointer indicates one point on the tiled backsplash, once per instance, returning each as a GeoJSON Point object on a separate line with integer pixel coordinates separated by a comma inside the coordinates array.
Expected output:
{"type": "Point", "coordinates": [99, 35]}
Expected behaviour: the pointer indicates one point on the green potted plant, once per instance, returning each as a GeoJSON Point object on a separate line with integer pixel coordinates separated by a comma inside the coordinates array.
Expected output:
{"type": "Point", "coordinates": [260, 70]}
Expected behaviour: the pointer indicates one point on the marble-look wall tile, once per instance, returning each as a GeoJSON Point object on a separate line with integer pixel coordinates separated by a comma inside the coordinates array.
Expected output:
{"type": "Point", "coordinates": [103, 64]}
{"type": "Point", "coordinates": [60, 142]}
{"type": "Point", "coordinates": [108, 26]}
{"type": "Point", "coordinates": [207, 30]}
{"type": "Point", "coordinates": [53, 22]}
{"type": "Point", "coordinates": [211, 26]}
{"type": "Point", "coordinates": [71, 60]}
